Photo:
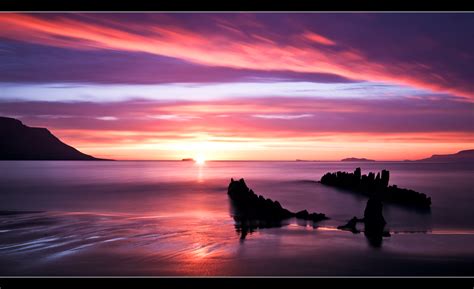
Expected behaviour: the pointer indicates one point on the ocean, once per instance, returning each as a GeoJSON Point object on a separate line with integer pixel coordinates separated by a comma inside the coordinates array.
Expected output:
{"type": "Point", "coordinates": [168, 218]}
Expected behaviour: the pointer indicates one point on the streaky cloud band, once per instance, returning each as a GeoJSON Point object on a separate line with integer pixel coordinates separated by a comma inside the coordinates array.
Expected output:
{"type": "Point", "coordinates": [201, 92]}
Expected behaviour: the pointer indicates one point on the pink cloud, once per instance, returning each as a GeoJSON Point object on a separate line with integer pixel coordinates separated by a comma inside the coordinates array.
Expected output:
{"type": "Point", "coordinates": [318, 38]}
{"type": "Point", "coordinates": [259, 117]}
{"type": "Point", "coordinates": [286, 128]}
{"type": "Point", "coordinates": [258, 52]}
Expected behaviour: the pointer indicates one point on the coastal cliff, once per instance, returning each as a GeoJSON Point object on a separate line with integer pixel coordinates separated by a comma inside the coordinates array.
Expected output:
{"type": "Point", "coordinates": [21, 142]}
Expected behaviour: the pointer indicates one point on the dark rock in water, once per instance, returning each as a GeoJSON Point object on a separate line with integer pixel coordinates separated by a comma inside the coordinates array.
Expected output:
{"type": "Point", "coordinates": [373, 216]}
{"type": "Point", "coordinates": [251, 211]}
{"type": "Point", "coordinates": [357, 175]}
{"type": "Point", "coordinates": [374, 223]}
{"type": "Point", "coordinates": [377, 186]}
{"type": "Point", "coordinates": [302, 215]}
{"type": "Point", "coordinates": [385, 178]}
{"type": "Point", "coordinates": [255, 207]}
{"type": "Point", "coordinates": [373, 212]}
{"type": "Point", "coordinates": [351, 225]}
{"type": "Point", "coordinates": [315, 217]}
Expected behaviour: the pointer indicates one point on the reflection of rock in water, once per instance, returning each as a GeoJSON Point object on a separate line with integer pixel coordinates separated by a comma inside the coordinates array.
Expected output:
{"type": "Point", "coordinates": [245, 225]}
{"type": "Point", "coordinates": [251, 211]}
{"type": "Point", "coordinates": [374, 223]}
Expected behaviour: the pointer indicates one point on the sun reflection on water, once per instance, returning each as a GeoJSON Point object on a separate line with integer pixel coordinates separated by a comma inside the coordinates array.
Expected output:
{"type": "Point", "coordinates": [200, 174]}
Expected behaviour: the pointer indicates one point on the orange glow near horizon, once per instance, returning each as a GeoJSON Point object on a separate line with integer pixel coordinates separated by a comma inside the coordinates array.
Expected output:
{"type": "Point", "coordinates": [389, 147]}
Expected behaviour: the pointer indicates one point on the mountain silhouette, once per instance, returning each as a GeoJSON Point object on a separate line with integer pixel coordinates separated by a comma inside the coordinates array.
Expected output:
{"type": "Point", "coordinates": [464, 156]}
{"type": "Point", "coordinates": [20, 142]}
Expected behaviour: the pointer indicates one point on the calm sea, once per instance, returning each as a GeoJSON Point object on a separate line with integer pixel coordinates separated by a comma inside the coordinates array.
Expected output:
{"type": "Point", "coordinates": [173, 218]}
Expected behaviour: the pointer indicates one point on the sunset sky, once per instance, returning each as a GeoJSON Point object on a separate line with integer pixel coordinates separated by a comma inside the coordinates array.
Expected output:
{"type": "Point", "coordinates": [237, 86]}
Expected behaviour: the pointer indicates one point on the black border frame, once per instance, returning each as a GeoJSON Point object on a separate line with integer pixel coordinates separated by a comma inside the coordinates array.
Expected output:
{"type": "Point", "coordinates": [237, 282]}
{"type": "Point", "coordinates": [235, 6]}
{"type": "Point", "coordinates": [238, 5]}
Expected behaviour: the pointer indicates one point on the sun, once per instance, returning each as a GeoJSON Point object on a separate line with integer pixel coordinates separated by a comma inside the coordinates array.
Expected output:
{"type": "Point", "coordinates": [200, 160]}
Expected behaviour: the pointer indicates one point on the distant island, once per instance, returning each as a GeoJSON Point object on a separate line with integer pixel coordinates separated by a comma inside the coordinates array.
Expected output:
{"type": "Point", "coordinates": [188, 160]}
{"type": "Point", "coordinates": [357, 160]}
{"type": "Point", "coordinates": [464, 156]}
{"type": "Point", "coordinates": [21, 142]}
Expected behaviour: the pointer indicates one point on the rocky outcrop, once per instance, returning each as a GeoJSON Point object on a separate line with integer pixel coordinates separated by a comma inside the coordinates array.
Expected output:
{"type": "Point", "coordinates": [252, 211]}
{"type": "Point", "coordinates": [374, 223]}
{"type": "Point", "coordinates": [315, 217]}
{"type": "Point", "coordinates": [253, 206]}
{"type": "Point", "coordinates": [377, 186]}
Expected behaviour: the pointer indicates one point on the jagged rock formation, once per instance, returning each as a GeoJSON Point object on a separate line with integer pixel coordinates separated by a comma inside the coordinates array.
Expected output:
{"type": "Point", "coordinates": [20, 142]}
{"type": "Point", "coordinates": [252, 211]}
{"type": "Point", "coordinates": [376, 185]}
{"type": "Point", "coordinates": [315, 217]}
